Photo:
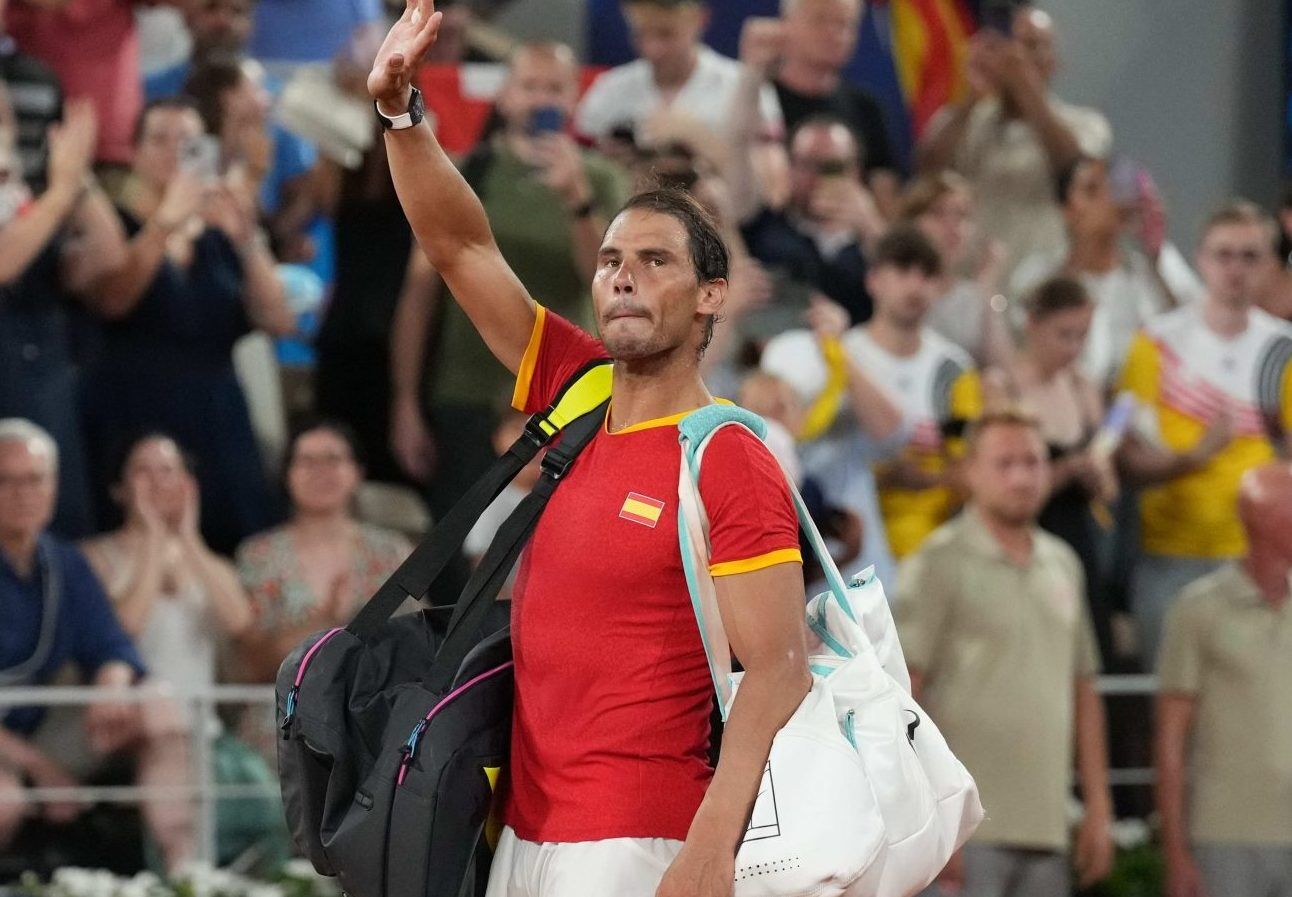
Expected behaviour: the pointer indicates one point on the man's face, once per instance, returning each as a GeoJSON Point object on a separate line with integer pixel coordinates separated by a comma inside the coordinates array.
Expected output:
{"type": "Point", "coordinates": [1009, 473]}
{"type": "Point", "coordinates": [646, 295]}
{"type": "Point", "coordinates": [27, 489]}
{"type": "Point", "coordinates": [1034, 31]}
{"type": "Point", "coordinates": [666, 37]}
{"type": "Point", "coordinates": [1090, 210]}
{"type": "Point", "coordinates": [903, 296]}
{"type": "Point", "coordinates": [949, 225]}
{"type": "Point", "coordinates": [219, 26]}
{"type": "Point", "coordinates": [537, 80]}
{"type": "Point", "coordinates": [1234, 261]}
{"type": "Point", "coordinates": [823, 32]}
{"type": "Point", "coordinates": [164, 134]}
{"type": "Point", "coordinates": [818, 153]}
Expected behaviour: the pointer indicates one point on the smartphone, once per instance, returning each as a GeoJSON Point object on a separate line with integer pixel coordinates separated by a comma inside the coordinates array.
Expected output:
{"type": "Point", "coordinates": [547, 120]}
{"type": "Point", "coordinates": [1125, 176]}
{"type": "Point", "coordinates": [1116, 423]}
{"type": "Point", "coordinates": [998, 16]}
{"type": "Point", "coordinates": [200, 158]}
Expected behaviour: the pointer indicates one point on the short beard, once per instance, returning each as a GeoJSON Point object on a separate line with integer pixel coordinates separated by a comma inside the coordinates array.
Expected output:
{"type": "Point", "coordinates": [636, 349]}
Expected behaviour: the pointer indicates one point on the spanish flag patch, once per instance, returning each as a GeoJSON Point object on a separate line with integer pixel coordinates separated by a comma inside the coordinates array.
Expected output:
{"type": "Point", "coordinates": [641, 509]}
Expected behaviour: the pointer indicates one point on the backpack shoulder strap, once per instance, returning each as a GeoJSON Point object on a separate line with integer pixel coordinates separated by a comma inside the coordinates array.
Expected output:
{"type": "Point", "coordinates": [583, 393]}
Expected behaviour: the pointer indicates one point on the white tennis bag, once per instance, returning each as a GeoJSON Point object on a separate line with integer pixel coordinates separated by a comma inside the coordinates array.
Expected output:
{"type": "Point", "coordinates": [861, 797]}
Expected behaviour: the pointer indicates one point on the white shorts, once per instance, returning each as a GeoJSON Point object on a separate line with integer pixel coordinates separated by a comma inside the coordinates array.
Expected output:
{"type": "Point", "coordinates": [616, 867]}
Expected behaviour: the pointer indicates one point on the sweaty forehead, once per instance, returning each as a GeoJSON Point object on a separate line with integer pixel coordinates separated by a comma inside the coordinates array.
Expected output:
{"type": "Point", "coordinates": [636, 229]}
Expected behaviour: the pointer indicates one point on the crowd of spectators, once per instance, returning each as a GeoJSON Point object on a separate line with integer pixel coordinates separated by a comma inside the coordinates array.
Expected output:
{"type": "Point", "coordinates": [1063, 444]}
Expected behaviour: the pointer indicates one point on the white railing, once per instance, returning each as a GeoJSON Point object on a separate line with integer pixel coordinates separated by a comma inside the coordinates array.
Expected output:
{"type": "Point", "coordinates": [206, 793]}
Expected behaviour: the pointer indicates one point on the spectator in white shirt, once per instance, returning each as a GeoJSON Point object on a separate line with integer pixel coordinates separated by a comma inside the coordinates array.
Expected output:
{"type": "Point", "coordinates": [674, 70]}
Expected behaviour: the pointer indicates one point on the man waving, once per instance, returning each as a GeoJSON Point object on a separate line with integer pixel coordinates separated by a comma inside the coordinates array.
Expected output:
{"type": "Point", "coordinates": [609, 790]}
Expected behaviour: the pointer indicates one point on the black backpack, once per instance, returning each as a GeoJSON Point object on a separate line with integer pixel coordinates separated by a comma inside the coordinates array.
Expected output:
{"type": "Point", "coordinates": [394, 730]}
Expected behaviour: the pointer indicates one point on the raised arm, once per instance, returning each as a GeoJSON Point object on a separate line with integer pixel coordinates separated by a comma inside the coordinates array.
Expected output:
{"type": "Point", "coordinates": [446, 216]}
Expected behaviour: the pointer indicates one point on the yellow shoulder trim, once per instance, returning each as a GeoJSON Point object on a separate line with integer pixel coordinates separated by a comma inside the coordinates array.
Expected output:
{"type": "Point", "coordinates": [524, 376]}
{"type": "Point", "coordinates": [763, 561]}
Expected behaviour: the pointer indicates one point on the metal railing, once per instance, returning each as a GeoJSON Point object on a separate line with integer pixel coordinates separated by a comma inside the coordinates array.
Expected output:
{"type": "Point", "coordinates": [206, 793]}
{"type": "Point", "coordinates": [203, 791]}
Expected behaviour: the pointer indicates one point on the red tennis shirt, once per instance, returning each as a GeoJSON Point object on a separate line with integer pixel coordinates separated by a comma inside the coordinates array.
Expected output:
{"type": "Point", "coordinates": [611, 728]}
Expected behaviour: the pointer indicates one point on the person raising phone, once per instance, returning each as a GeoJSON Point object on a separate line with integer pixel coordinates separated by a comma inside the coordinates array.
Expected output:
{"type": "Point", "coordinates": [608, 789]}
{"type": "Point", "coordinates": [549, 202]}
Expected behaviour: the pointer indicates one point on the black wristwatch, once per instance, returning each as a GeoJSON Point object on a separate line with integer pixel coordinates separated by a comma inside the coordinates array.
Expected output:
{"type": "Point", "coordinates": [416, 112]}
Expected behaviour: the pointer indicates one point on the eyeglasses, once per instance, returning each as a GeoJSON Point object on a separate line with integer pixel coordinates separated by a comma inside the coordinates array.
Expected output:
{"type": "Point", "coordinates": [330, 459]}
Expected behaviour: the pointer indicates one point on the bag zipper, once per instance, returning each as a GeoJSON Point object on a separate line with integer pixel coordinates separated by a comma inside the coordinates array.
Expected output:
{"type": "Point", "coordinates": [410, 746]}
{"type": "Point", "coordinates": [295, 691]}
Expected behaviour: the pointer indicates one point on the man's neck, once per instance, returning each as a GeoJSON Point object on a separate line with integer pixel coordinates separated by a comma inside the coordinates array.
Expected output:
{"type": "Point", "coordinates": [1097, 255]}
{"type": "Point", "coordinates": [19, 550]}
{"type": "Point", "coordinates": [321, 527]}
{"type": "Point", "coordinates": [1270, 574]}
{"type": "Point", "coordinates": [810, 80]}
{"type": "Point", "coordinates": [649, 390]}
{"type": "Point", "coordinates": [893, 338]}
{"type": "Point", "coordinates": [673, 77]}
{"type": "Point", "coordinates": [1013, 537]}
{"type": "Point", "coordinates": [1226, 321]}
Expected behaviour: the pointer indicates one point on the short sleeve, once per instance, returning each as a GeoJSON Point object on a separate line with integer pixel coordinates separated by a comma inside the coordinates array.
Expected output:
{"type": "Point", "coordinates": [1086, 655]}
{"type": "Point", "coordinates": [752, 522]}
{"type": "Point", "coordinates": [1140, 374]}
{"type": "Point", "coordinates": [1180, 659]}
{"type": "Point", "coordinates": [922, 606]}
{"type": "Point", "coordinates": [593, 118]}
{"type": "Point", "coordinates": [557, 350]}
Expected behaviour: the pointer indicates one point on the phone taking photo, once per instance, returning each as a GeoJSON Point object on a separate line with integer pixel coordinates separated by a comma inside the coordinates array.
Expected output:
{"type": "Point", "coordinates": [547, 120]}
{"type": "Point", "coordinates": [199, 157]}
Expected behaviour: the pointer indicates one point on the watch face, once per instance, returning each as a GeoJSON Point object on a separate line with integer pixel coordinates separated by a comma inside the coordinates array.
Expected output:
{"type": "Point", "coordinates": [417, 106]}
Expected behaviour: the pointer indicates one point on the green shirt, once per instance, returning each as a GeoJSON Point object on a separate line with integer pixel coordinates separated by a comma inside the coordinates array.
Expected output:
{"type": "Point", "coordinates": [1231, 650]}
{"type": "Point", "coordinates": [534, 232]}
{"type": "Point", "coordinates": [1001, 647]}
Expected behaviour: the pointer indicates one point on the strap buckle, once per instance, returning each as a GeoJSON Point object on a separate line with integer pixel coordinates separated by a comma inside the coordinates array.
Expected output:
{"type": "Point", "coordinates": [534, 431]}
{"type": "Point", "coordinates": [556, 463]}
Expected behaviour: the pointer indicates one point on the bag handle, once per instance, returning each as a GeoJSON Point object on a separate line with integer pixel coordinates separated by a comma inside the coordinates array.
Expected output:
{"type": "Point", "coordinates": [696, 431]}
{"type": "Point", "coordinates": [585, 392]}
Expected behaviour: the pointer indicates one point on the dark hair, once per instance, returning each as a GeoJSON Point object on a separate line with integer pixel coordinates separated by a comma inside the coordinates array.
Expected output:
{"type": "Point", "coordinates": [338, 428]}
{"type": "Point", "coordinates": [169, 104]}
{"type": "Point", "coordinates": [665, 4]}
{"type": "Point", "coordinates": [905, 247]}
{"type": "Point", "coordinates": [126, 447]}
{"type": "Point", "coordinates": [709, 254]}
{"type": "Point", "coordinates": [1066, 178]}
{"type": "Point", "coordinates": [1003, 417]}
{"type": "Point", "coordinates": [1056, 294]}
{"type": "Point", "coordinates": [1243, 212]}
{"type": "Point", "coordinates": [207, 85]}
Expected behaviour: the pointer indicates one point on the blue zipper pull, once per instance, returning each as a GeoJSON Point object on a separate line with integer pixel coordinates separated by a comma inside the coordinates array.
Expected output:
{"type": "Point", "coordinates": [291, 710]}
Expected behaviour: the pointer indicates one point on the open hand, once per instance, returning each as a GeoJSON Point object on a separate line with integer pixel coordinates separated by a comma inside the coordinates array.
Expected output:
{"type": "Point", "coordinates": [390, 81]}
{"type": "Point", "coordinates": [71, 145]}
{"type": "Point", "coordinates": [762, 43]}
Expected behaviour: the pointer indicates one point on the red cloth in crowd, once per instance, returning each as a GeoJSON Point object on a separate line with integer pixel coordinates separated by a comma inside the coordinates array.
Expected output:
{"type": "Point", "coordinates": [93, 47]}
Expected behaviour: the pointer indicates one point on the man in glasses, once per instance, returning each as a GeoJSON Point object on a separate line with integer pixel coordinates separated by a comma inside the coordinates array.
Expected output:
{"type": "Point", "coordinates": [818, 239]}
{"type": "Point", "coordinates": [1216, 380]}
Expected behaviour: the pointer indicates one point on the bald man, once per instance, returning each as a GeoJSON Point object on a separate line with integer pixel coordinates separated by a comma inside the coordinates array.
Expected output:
{"type": "Point", "coordinates": [1224, 701]}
